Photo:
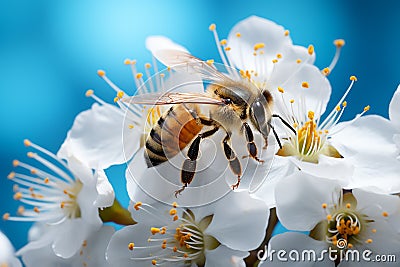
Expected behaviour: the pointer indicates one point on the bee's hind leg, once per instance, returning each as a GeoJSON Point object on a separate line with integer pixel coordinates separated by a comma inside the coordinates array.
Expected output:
{"type": "Point", "coordinates": [251, 146]}
{"type": "Point", "coordinates": [234, 162]}
{"type": "Point", "coordinates": [190, 164]}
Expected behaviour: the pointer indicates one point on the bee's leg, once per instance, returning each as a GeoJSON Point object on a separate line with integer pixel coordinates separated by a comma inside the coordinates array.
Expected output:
{"type": "Point", "coordinates": [190, 164]}
{"type": "Point", "coordinates": [284, 122]}
{"type": "Point", "coordinates": [234, 162]}
{"type": "Point", "coordinates": [276, 135]}
{"type": "Point", "coordinates": [251, 146]}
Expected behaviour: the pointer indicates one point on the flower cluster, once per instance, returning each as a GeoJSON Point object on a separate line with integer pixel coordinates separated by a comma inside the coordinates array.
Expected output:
{"type": "Point", "coordinates": [216, 154]}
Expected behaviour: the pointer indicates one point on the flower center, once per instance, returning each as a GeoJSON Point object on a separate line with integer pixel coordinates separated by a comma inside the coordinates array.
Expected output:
{"type": "Point", "coordinates": [343, 227]}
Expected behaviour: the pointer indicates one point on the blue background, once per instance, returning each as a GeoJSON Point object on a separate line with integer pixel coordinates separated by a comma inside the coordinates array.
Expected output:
{"type": "Point", "coordinates": [50, 51]}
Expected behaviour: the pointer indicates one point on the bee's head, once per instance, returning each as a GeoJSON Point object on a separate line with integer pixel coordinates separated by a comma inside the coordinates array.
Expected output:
{"type": "Point", "coordinates": [261, 112]}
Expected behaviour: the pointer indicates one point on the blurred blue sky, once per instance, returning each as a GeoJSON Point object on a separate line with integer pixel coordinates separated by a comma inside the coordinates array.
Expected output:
{"type": "Point", "coordinates": [50, 51]}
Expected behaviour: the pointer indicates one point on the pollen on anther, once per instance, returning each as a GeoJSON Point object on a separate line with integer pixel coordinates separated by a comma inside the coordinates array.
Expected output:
{"type": "Point", "coordinates": [280, 89]}
{"type": "Point", "coordinates": [291, 101]}
{"type": "Point", "coordinates": [329, 217]}
{"type": "Point", "coordinates": [227, 48]}
{"type": "Point", "coordinates": [310, 115]}
{"type": "Point", "coordinates": [326, 71]}
{"type": "Point", "coordinates": [175, 218]}
{"type": "Point", "coordinates": [366, 108]}
{"type": "Point", "coordinates": [348, 205]}
{"type": "Point", "coordinates": [30, 154]}
{"type": "Point", "coordinates": [11, 175]}
{"type": "Point", "coordinates": [27, 142]}
{"type": "Point", "coordinates": [223, 42]}
{"type": "Point", "coordinates": [305, 84]}
{"type": "Point", "coordinates": [139, 75]}
{"type": "Point", "coordinates": [310, 49]}
{"type": "Point", "coordinates": [15, 163]}
{"type": "Point", "coordinates": [131, 246]}
{"type": "Point", "coordinates": [373, 231]}
{"type": "Point", "coordinates": [131, 126]}
{"type": "Point", "coordinates": [349, 245]}
{"type": "Point", "coordinates": [238, 34]}
{"type": "Point", "coordinates": [212, 27]}
{"type": "Point", "coordinates": [353, 78]}
{"type": "Point", "coordinates": [120, 94]}
{"type": "Point", "coordinates": [154, 262]}
{"type": "Point", "coordinates": [154, 230]}
{"type": "Point", "coordinates": [137, 205]}
{"type": "Point", "coordinates": [21, 210]}
{"type": "Point", "coordinates": [33, 171]}
{"type": "Point", "coordinates": [101, 73]}
{"type": "Point", "coordinates": [175, 249]}
{"type": "Point", "coordinates": [18, 196]}
{"type": "Point", "coordinates": [6, 216]}
{"type": "Point", "coordinates": [174, 204]}
{"type": "Point", "coordinates": [337, 108]}
{"type": "Point", "coordinates": [339, 42]}
{"type": "Point", "coordinates": [298, 61]}
{"type": "Point", "coordinates": [258, 46]}
{"type": "Point", "coordinates": [286, 33]}
{"type": "Point", "coordinates": [324, 205]}
{"type": "Point", "coordinates": [274, 60]}
{"type": "Point", "coordinates": [369, 241]}
{"type": "Point", "coordinates": [62, 205]}
{"type": "Point", "coordinates": [344, 104]}
{"type": "Point", "coordinates": [36, 209]}
{"type": "Point", "coordinates": [210, 62]}
{"type": "Point", "coordinates": [127, 61]}
{"type": "Point", "coordinates": [172, 212]}
{"type": "Point", "coordinates": [147, 65]}
{"type": "Point", "coordinates": [385, 214]}
{"type": "Point", "coordinates": [279, 55]}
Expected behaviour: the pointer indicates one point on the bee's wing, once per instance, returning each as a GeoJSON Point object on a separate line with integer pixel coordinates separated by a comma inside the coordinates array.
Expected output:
{"type": "Point", "coordinates": [172, 98]}
{"type": "Point", "coordinates": [183, 61]}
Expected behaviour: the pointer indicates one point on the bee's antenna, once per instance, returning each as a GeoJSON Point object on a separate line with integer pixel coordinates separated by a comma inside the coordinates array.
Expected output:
{"type": "Point", "coordinates": [276, 135]}
{"type": "Point", "coordinates": [284, 122]}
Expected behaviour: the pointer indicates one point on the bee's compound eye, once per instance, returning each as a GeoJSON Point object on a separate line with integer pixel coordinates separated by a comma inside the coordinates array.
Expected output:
{"type": "Point", "coordinates": [259, 113]}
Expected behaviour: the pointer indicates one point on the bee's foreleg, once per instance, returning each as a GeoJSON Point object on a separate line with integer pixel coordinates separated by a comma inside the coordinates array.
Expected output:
{"type": "Point", "coordinates": [190, 164]}
{"type": "Point", "coordinates": [276, 135]}
{"type": "Point", "coordinates": [234, 162]}
{"type": "Point", "coordinates": [251, 146]}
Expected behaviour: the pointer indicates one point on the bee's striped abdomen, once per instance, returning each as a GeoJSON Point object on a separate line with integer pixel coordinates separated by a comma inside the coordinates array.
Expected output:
{"type": "Point", "coordinates": [175, 129]}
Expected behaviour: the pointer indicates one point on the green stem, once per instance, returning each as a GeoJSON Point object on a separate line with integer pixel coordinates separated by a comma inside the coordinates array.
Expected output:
{"type": "Point", "coordinates": [116, 213]}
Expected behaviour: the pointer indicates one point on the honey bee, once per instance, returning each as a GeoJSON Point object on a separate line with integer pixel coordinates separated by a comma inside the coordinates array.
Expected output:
{"type": "Point", "coordinates": [233, 104]}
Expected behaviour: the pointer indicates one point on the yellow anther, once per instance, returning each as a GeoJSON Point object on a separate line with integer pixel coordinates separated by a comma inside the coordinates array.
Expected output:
{"type": "Point", "coordinates": [369, 241]}
{"type": "Point", "coordinates": [131, 126]}
{"type": "Point", "coordinates": [310, 49]}
{"type": "Point", "coordinates": [348, 205]}
{"type": "Point", "coordinates": [62, 204]}
{"type": "Point", "coordinates": [27, 142]}
{"type": "Point", "coordinates": [36, 209]}
{"type": "Point", "coordinates": [164, 246]}
{"type": "Point", "coordinates": [18, 196]}
{"type": "Point", "coordinates": [147, 65]}
{"type": "Point", "coordinates": [298, 61]}
{"type": "Point", "coordinates": [339, 42]}
{"type": "Point", "coordinates": [175, 249]}
{"type": "Point", "coordinates": [127, 61]}
{"type": "Point", "coordinates": [65, 192]}
{"type": "Point", "coordinates": [286, 33]}
{"type": "Point", "coordinates": [6, 216]}
{"type": "Point", "coordinates": [254, 54]}
{"type": "Point", "coordinates": [295, 125]}
{"type": "Point", "coordinates": [337, 108]}
{"type": "Point", "coordinates": [279, 55]}
{"type": "Point", "coordinates": [349, 245]}
{"type": "Point", "coordinates": [353, 78]}
{"type": "Point", "coordinates": [133, 62]}
{"type": "Point", "coordinates": [89, 92]}
{"type": "Point", "coordinates": [154, 230]}
{"type": "Point", "coordinates": [212, 27]}
{"type": "Point", "coordinates": [367, 108]}
{"type": "Point", "coordinates": [21, 210]}
{"type": "Point", "coordinates": [33, 171]}
{"type": "Point", "coordinates": [227, 48]}
{"type": "Point", "coordinates": [131, 246]}
{"type": "Point", "coordinates": [305, 84]}
{"type": "Point", "coordinates": [11, 175]}
{"type": "Point", "coordinates": [15, 163]}
{"type": "Point", "coordinates": [172, 212]}
{"type": "Point", "coordinates": [139, 75]}
{"type": "Point", "coordinates": [185, 255]}
{"type": "Point", "coordinates": [101, 73]}
{"type": "Point", "coordinates": [324, 205]}
{"type": "Point", "coordinates": [329, 217]}
{"type": "Point", "coordinates": [373, 231]}
{"type": "Point", "coordinates": [291, 101]}
{"type": "Point", "coordinates": [310, 115]}
{"type": "Point", "coordinates": [326, 131]}
{"type": "Point", "coordinates": [238, 34]}
{"type": "Point", "coordinates": [174, 204]}
{"type": "Point", "coordinates": [223, 42]}
{"type": "Point", "coordinates": [210, 62]}
{"type": "Point", "coordinates": [280, 89]}
{"type": "Point", "coordinates": [137, 205]}
{"type": "Point", "coordinates": [120, 94]}
{"type": "Point", "coordinates": [344, 104]}
{"type": "Point", "coordinates": [154, 262]}
{"type": "Point", "coordinates": [116, 99]}
{"type": "Point", "coordinates": [326, 71]}
{"type": "Point", "coordinates": [385, 214]}
{"type": "Point", "coordinates": [175, 218]}
{"type": "Point", "coordinates": [30, 154]}
{"type": "Point", "coordinates": [274, 60]}
{"type": "Point", "coordinates": [258, 46]}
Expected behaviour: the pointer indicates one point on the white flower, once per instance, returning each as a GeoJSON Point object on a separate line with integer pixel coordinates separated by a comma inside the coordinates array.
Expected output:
{"type": "Point", "coordinates": [7, 256]}
{"type": "Point", "coordinates": [394, 115]}
{"type": "Point", "coordinates": [64, 196]}
{"type": "Point", "coordinates": [90, 254]}
{"type": "Point", "coordinates": [359, 220]}
{"type": "Point", "coordinates": [206, 236]}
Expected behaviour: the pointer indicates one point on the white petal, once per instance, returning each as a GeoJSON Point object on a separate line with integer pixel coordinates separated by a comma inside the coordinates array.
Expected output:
{"type": "Point", "coordinates": [81, 171]}
{"type": "Point", "coordinates": [255, 30]}
{"type": "Point", "coordinates": [283, 250]}
{"type": "Point", "coordinates": [394, 108]}
{"type": "Point", "coordinates": [367, 144]}
{"type": "Point", "coordinates": [96, 138]}
{"type": "Point", "coordinates": [244, 232]}
{"type": "Point", "coordinates": [388, 203]}
{"type": "Point", "coordinates": [299, 200]}
{"type": "Point", "coordinates": [7, 253]}
{"type": "Point", "coordinates": [44, 240]}
{"type": "Point", "coordinates": [291, 76]}
{"type": "Point", "coordinates": [158, 42]}
{"type": "Point", "coordinates": [105, 190]}
{"type": "Point", "coordinates": [224, 256]}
